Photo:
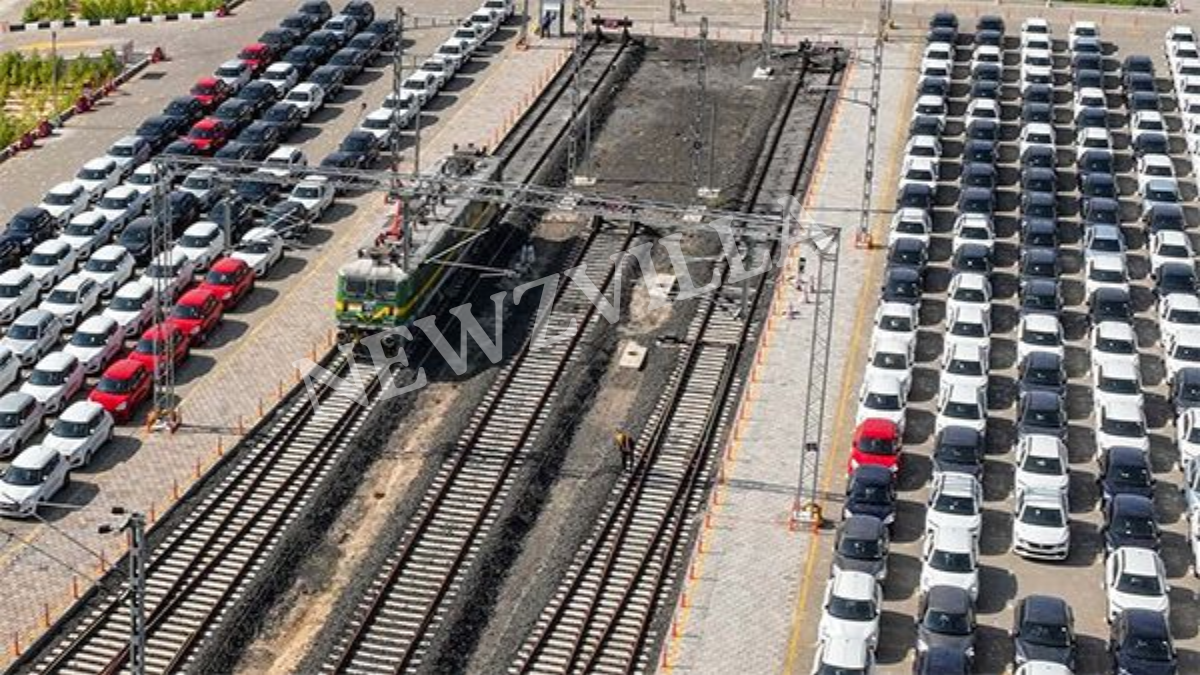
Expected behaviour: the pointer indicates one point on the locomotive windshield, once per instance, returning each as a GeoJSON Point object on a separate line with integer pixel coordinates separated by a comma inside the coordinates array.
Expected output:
{"type": "Point", "coordinates": [357, 288]}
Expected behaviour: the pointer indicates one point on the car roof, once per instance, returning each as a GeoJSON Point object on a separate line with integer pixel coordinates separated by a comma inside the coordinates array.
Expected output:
{"type": "Point", "coordinates": [862, 526]}
{"type": "Point", "coordinates": [34, 457]}
{"type": "Point", "coordinates": [872, 474]}
{"type": "Point", "coordinates": [281, 66]}
{"type": "Point", "coordinates": [135, 288]}
{"type": "Point", "coordinates": [1120, 368]}
{"type": "Point", "coordinates": [228, 265]}
{"type": "Point", "coordinates": [33, 316]}
{"type": "Point", "coordinates": [73, 282]}
{"type": "Point", "coordinates": [97, 323]}
{"type": "Point", "coordinates": [207, 81]}
{"type": "Point", "coordinates": [13, 401]}
{"type": "Point", "coordinates": [1165, 236]}
{"type": "Point", "coordinates": [1123, 455]}
{"type": "Point", "coordinates": [81, 411]}
{"type": "Point", "coordinates": [1110, 293]}
{"type": "Point", "coordinates": [110, 252]}
{"type": "Point", "coordinates": [305, 87]}
{"type": "Point", "coordinates": [969, 313]}
{"type": "Point", "coordinates": [51, 246]}
{"type": "Point", "coordinates": [956, 435]}
{"type": "Point", "coordinates": [850, 653]}
{"type": "Point", "coordinates": [1041, 323]}
{"type": "Point", "coordinates": [1147, 623]}
{"type": "Point", "coordinates": [59, 360]}
{"type": "Point", "coordinates": [1121, 409]}
{"type": "Point", "coordinates": [124, 369]}
{"type": "Point", "coordinates": [196, 296]}
{"type": "Point", "coordinates": [948, 599]}
{"type": "Point", "coordinates": [1041, 359]}
{"type": "Point", "coordinates": [1135, 559]}
{"type": "Point", "coordinates": [158, 331]}
{"type": "Point", "coordinates": [954, 539]}
{"type": "Point", "coordinates": [202, 227]}
{"type": "Point", "coordinates": [1106, 262]}
{"type": "Point", "coordinates": [957, 483]}
{"type": "Point", "coordinates": [1040, 399]}
{"type": "Point", "coordinates": [15, 276]}
{"type": "Point", "coordinates": [1114, 330]}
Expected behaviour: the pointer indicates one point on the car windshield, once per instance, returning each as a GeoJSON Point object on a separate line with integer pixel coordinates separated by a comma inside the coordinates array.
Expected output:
{"type": "Point", "coordinates": [111, 385]}
{"type": "Point", "coordinates": [67, 429]}
{"type": "Point", "coordinates": [968, 329]}
{"type": "Point", "coordinates": [229, 71]}
{"type": "Point", "coordinates": [258, 247]}
{"type": "Point", "coordinates": [307, 192]}
{"type": "Point", "coordinates": [970, 294]}
{"type": "Point", "coordinates": [896, 323]}
{"type": "Point", "coordinates": [1132, 475]}
{"type": "Point", "coordinates": [102, 264]}
{"type": "Point", "coordinates": [79, 229]}
{"type": "Point", "coordinates": [126, 303]}
{"type": "Point", "coordinates": [47, 378]}
{"type": "Point", "coordinates": [204, 89]}
{"type": "Point", "coordinates": [946, 561]}
{"type": "Point", "coordinates": [956, 504]}
{"type": "Point", "coordinates": [964, 367]}
{"type": "Point", "coordinates": [205, 133]}
{"type": "Point", "coordinates": [1046, 376]}
{"type": "Point", "coordinates": [10, 291]}
{"type": "Point", "coordinates": [860, 549]}
{"type": "Point", "coordinates": [890, 361]}
{"type": "Point", "coordinates": [871, 494]}
{"type": "Point", "coordinates": [114, 203]}
{"type": "Point", "coordinates": [877, 446]}
{"type": "Point", "coordinates": [92, 174]}
{"type": "Point", "coordinates": [947, 623]}
{"type": "Point", "coordinates": [299, 96]}
{"type": "Point", "coordinates": [959, 454]}
{"type": "Point", "coordinates": [975, 232]}
{"type": "Point", "coordinates": [42, 259]}
{"type": "Point", "coordinates": [221, 278]}
{"type": "Point", "coordinates": [1034, 337]}
{"type": "Point", "coordinates": [23, 332]}
{"type": "Point", "coordinates": [82, 339]}
{"type": "Point", "coordinates": [1150, 649]}
{"type": "Point", "coordinates": [63, 297]}
{"type": "Point", "coordinates": [143, 178]}
{"type": "Point", "coordinates": [194, 241]}
{"type": "Point", "coordinates": [1114, 276]}
{"type": "Point", "coordinates": [1134, 526]}
{"type": "Point", "coordinates": [187, 312]}
{"type": "Point", "coordinates": [121, 151]}
{"type": "Point", "coordinates": [10, 420]}
{"type": "Point", "coordinates": [1126, 428]}
{"type": "Point", "coordinates": [20, 476]}
{"type": "Point", "coordinates": [1184, 353]}
{"type": "Point", "coordinates": [1047, 466]}
{"type": "Point", "coordinates": [1116, 385]}
{"type": "Point", "coordinates": [413, 85]}
{"type": "Point", "coordinates": [358, 143]}
{"type": "Point", "coordinates": [147, 346]}
{"type": "Point", "coordinates": [1114, 346]}
{"type": "Point", "coordinates": [198, 182]}
{"type": "Point", "coordinates": [850, 609]}
{"type": "Point", "coordinates": [1174, 251]}
{"type": "Point", "coordinates": [878, 401]}
{"type": "Point", "coordinates": [1038, 210]}
{"type": "Point", "coordinates": [1137, 584]}
{"type": "Point", "coordinates": [161, 271]}
{"type": "Point", "coordinates": [1036, 515]}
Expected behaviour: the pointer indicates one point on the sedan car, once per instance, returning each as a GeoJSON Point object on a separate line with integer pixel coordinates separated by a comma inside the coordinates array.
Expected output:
{"type": "Point", "coordinates": [1141, 643]}
{"type": "Point", "coordinates": [862, 546]}
{"type": "Point", "coordinates": [1041, 465]}
{"type": "Point", "coordinates": [1044, 631]}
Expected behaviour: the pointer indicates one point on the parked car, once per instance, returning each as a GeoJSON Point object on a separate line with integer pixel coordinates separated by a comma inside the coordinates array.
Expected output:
{"type": "Point", "coordinates": [35, 476]}
{"type": "Point", "coordinates": [82, 429]}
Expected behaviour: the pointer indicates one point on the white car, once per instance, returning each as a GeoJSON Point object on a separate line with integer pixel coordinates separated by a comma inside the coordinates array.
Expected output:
{"type": "Point", "coordinates": [128, 153]}
{"type": "Point", "coordinates": [1113, 341]}
{"type": "Point", "coordinates": [1037, 66]}
{"type": "Point", "coordinates": [121, 205]}
{"type": "Point", "coordinates": [315, 194]}
{"type": "Point", "coordinates": [973, 228]}
{"type": "Point", "coordinates": [145, 179]}
{"type": "Point", "coordinates": [50, 262]}
{"type": "Point", "coordinates": [969, 324]}
{"type": "Point", "coordinates": [82, 429]}
{"type": "Point", "coordinates": [21, 417]}
{"type": "Point", "coordinates": [1178, 313]}
{"type": "Point", "coordinates": [10, 368]}
{"type": "Point", "coordinates": [923, 146]}
{"type": "Point", "coordinates": [882, 398]}
{"type": "Point", "coordinates": [983, 108]}
{"type": "Point", "coordinates": [969, 289]}
{"type": "Point", "coordinates": [282, 76]}
{"type": "Point", "coordinates": [1081, 29]}
{"type": "Point", "coordinates": [1135, 578]}
{"type": "Point", "coordinates": [1100, 241]}
{"type": "Point", "coordinates": [132, 307]}
{"type": "Point", "coordinates": [1150, 167]}
{"type": "Point", "coordinates": [54, 380]}
{"type": "Point", "coordinates": [261, 248]}
{"type": "Point", "coordinates": [65, 201]}
{"type": "Point", "coordinates": [98, 175]}
{"type": "Point", "coordinates": [1179, 33]}
{"type": "Point", "coordinates": [1041, 465]}
{"type": "Point", "coordinates": [306, 96]}
{"type": "Point", "coordinates": [98, 340]}
{"type": "Point", "coordinates": [504, 9]}
{"type": "Point", "coordinates": [451, 55]}
{"type": "Point", "coordinates": [919, 171]}
{"type": "Point", "coordinates": [930, 105]}
{"type": "Point", "coordinates": [986, 54]}
{"type": "Point", "coordinates": [965, 365]}
{"type": "Point", "coordinates": [1092, 137]}
{"type": "Point", "coordinates": [18, 292]}
{"type": "Point", "coordinates": [1182, 350]}
{"type": "Point", "coordinates": [891, 358]}
{"type": "Point", "coordinates": [203, 183]}
{"type": "Point", "coordinates": [1089, 97]}
{"type": "Point", "coordinates": [1034, 26]}
{"type": "Point", "coordinates": [173, 269]}
{"type": "Point", "coordinates": [1120, 423]}
{"type": "Point", "coordinates": [1194, 542]}
{"type": "Point", "coordinates": [1168, 246]}
{"type": "Point", "coordinates": [1118, 381]}
{"type": "Point", "coordinates": [1191, 486]}
{"type": "Point", "coordinates": [72, 299]}
{"type": "Point", "coordinates": [1036, 43]}
{"type": "Point", "coordinates": [853, 603]}
{"type": "Point", "coordinates": [843, 656]}
{"type": "Point", "coordinates": [86, 232]}
{"type": "Point", "coordinates": [201, 243]}
{"type": "Point", "coordinates": [109, 267]}
{"type": "Point", "coordinates": [961, 405]}
{"type": "Point", "coordinates": [234, 73]}
{"type": "Point", "coordinates": [32, 334]}
{"type": "Point", "coordinates": [910, 223]}
{"type": "Point", "coordinates": [1036, 134]}
{"type": "Point", "coordinates": [379, 124]}
{"type": "Point", "coordinates": [955, 503]}
{"type": "Point", "coordinates": [1104, 272]}
{"type": "Point", "coordinates": [1147, 121]}
{"type": "Point", "coordinates": [950, 557]}
{"type": "Point", "coordinates": [1039, 333]}
{"type": "Point", "coordinates": [35, 476]}
{"type": "Point", "coordinates": [286, 160]}
{"type": "Point", "coordinates": [1187, 434]}
{"type": "Point", "coordinates": [1041, 526]}
{"type": "Point", "coordinates": [423, 85]}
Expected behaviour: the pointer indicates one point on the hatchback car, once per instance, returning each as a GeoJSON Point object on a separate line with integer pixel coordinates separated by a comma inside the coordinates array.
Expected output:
{"type": "Point", "coordinates": [1140, 642]}
{"type": "Point", "coordinates": [109, 267]}
{"type": "Point", "coordinates": [851, 609]}
{"type": "Point", "coordinates": [871, 492]}
{"type": "Point", "coordinates": [1041, 412]}
{"type": "Point", "coordinates": [1124, 471]}
{"type": "Point", "coordinates": [959, 450]}
{"type": "Point", "coordinates": [82, 429]}
{"type": "Point", "coordinates": [946, 619]}
{"type": "Point", "coordinates": [34, 333]}
{"type": "Point", "coordinates": [1129, 522]}
{"type": "Point", "coordinates": [35, 476]}
{"type": "Point", "coordinates": [862, 546]}
{"type": "Point", "coordinates": [1044, 630]}
{"type": "Point", "coordinates": [122, 387]}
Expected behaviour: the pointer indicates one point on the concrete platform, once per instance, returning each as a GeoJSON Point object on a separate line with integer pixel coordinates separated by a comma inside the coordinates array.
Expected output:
{"type": "Point", "coordinates": [245, 366]}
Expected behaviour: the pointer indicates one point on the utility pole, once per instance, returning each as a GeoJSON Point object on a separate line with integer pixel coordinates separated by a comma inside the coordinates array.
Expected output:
{"type": "Point", "coordinates": [397, 88]}
{"type": "Point", "coordinates": [863, 237]}
{"type": "Point", "coordinates": [523, 30]}
{"type": "Point", "coordinates": [770, 13]}
{"type": "Point", "coordinates": [165, 414]}
{"type": "Point", "coordinates": [580, 122]}
{"type": "Point", "coordinates": [704, 187]}
{"type": "Point", "coordinates": [135, 525]}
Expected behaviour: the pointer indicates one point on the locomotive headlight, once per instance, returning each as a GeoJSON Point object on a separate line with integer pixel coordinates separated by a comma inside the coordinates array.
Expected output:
{"type": "Point", "coordinates": [354, 307]}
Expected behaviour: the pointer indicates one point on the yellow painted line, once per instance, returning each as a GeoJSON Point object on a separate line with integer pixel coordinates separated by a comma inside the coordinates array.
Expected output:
{"type": "Point", "coordinates": [865, 300]}
{"type": "Point", "coordinates": [46, 45]}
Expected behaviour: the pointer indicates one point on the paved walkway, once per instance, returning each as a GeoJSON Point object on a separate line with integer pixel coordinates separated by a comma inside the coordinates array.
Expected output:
{"type": "Point", "coordinates": [752, 569]}
{"type": "Point", "coordinates": [248, 364]}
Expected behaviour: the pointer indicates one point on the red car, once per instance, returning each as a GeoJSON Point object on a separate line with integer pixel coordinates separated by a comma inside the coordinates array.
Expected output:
{"type": "Point", "coordinates": [230, 279]}
{"type": "Point", "coordinates": [876, 441]}
{"type": "Point", "coordinates": [197, 313]}
{"type": "Point", "coordinates": [122, 387]}
{"type": "Point", "coordinates": [209, 135]}
{"type": "Point", "coordinates": [258, 56]}
{"type": "Point", "coordinates": [152, 345]}
{"type": "Point", "coordinates": [211, 92]}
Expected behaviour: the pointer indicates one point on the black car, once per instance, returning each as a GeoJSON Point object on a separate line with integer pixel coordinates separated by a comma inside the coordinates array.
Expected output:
{"type": "Point", "coordinates": [1040, 263]}
{"type": "Point", "coordinates": [942, 661]}
{"type": "Point", "coordinates": [989, 38]}
{"type": "Point", "coordinates": [370, 44]}
{"type": "Point", "coordinates": [1151, 143]}
{"type": "Point", "coordinates": [944, 20]}
{"type": "Point", "coordinates": [1044, 630]}
{"type": "Point", "coordinates": [1039, 233]}
{"type": "Point", "coordinates": [305, 58]}
{"type": "Point", "coordinates": [284, 116]}
{"type": "Point", "coordinates": [1091, 118]}
{"type": "Point", "coordinates": [946, 620]}
{"type": "Point", "coordinates": [256, 191]}
{"type": "Point", "coordinates": [1036, 179]}
{"type": "Point", "coordinates": [1102, 211]}
{"type": "Point", "coordinates": [326, 40]}
{"type": "Point", "coordinates": [384, 28]}
{"type": "Point", "coordinates": [27, 228]}
{"type": "Point", "coordinates": [185, 108]}
{"type": "Point", "coordinates": [1039, 205]}
{"type": "Point", "coordinates": [1094, 185]}
{"type": "Point", "coordinates": [909, 253]}
{"type": "Point", "coordinates": [1095, 160]}
{"type": "Point", "coordinates": [990, 22]}
{"type": "Point", "coordinates": [1040, 412]}
{"type": "Point", "coordinates": [1038, 93]}
{"type": "Point", "coordinates": [160, 130]}
{"type": "Point", "coordinates": [281, 39]}
{"type": "Point", "coordinates": [987, 72]}
{"type": "Point", "coordinates": [182, 148]}
{"type": "Point", "coordinates": [978, 175]}
{"type": "Point", "coordinates": [290, 219]}
{"type": "Point", "coordinates": [264, 135]}
{"type": "Point", "coordinates": [340, 159]}
{"type": "Point", "coordinates": [1085, 79]}
{"type": "Point", "coordinates": [871, 492]}
{"type": "Point", "coordinates": [350, 60]}
{"type": "Point", "coordinates": [925, 125]}
{"type": "Point", "coordinates": [136, 237]}
{"type": "Point", "coordinates": [236, 150]}
{"type": "Point", "coordinates": [983, 130]}
{"type": "Point", "coordinates": [985, 89]}
{"type": "Point", "coordinates": [260, 95]}
{"type": "Point", "coordinates": [941, 34]}
{"type": "Point", "coordinates": [1175, 277]}
{"type": "Point", "coordinates": [183, 209]}
{"type": "Point", "coordinates": [331, 78]}
{"type": "Point", "coordinates": [979, 152]}
{"type": "Point", "coordinates": [862, 546]}
{"type": "Point", "coordinates": [1129, 521]}
{"type": "Point", "coordinates": [915, 196]}
{"type": "Point", "coordinates": [1087, 62]}
{"type": "Point", "coordinates": [1042, 371]}
{"type": "Point", "coordinates": [1110, 304]}
{"type": "Point", "coordinates": [233, 214]}
{"type": "Point", "coordinates": [1140, 642]}
{"type": "Point", "coordinates": [959, 450]}
{"type": "Point", "coordinates": [973, 258]}
{"type": "Point", "coordinates": [362, 10]}
{"type": "Point", "coordinates": [932, 86]}
{"type": "Point", "coordinates": [976, 201]}
{"type": "Point", "coordinates": [1137, 64]}
{"type": "Point", "coordinates": [10, 255]}
{"type": "Point", "coordinates": [1139, 83]}
{"type": "Point", "coordinates": [1033, 112]}
{"type": "Point", "coordinates": [362, 143]}
{"type": "Point", "coordinates": [235, 113]}
{"type": "Point", "coordinates": [320, 10]}
{"type": "Point", "coordinates": [303, 24]}
{"type": "Point", "coordinates": [1143, 101]}
{"type": "Point", "coordinates": [1165, 217]}
{"type": "Point", "coordinates": [1124, 471]}
{"type": "Point", "coordinates": [1185, 389]}
{"type": "Point", "coordinates": [902, 284]}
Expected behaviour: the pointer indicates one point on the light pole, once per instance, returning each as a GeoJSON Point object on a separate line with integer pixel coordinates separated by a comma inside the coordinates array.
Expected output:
{"type": "Point", "coordinates": [135, 524]}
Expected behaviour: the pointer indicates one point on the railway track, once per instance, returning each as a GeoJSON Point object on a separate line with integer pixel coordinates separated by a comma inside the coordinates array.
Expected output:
{"type": "Point", "coordinates": [414, 589]}
{"type": "Point", "coordinates": [213, 554]}
{"type": "Point", "coordinates": [602, 615]}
